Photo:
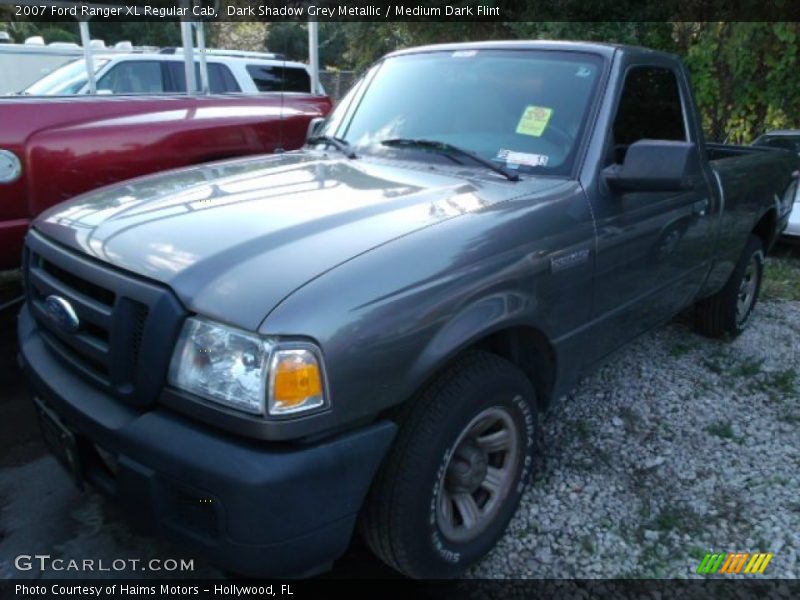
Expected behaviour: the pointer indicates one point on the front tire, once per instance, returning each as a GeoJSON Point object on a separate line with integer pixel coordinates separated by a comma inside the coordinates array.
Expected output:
{"type": "Point", "coordinates": [455, 475]}
{"type": "Point", "coordinates": [727, 313]}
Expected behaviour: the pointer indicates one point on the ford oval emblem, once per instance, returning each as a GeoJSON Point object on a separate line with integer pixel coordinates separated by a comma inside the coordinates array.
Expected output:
{"type": "Point", "coordinates": [62, 313]}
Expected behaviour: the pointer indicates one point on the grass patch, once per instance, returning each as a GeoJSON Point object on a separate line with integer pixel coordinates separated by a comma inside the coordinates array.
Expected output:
{"type": "Point", "coordinates": [10, 285]}
{"type": "Point", "coordinates": [679, 350]}
{"type": "Point", "coordinates": [777, 384]}
{"type": "Point", "coordinates": [676, 518]}
{"type": "Point", "coordinates": [584, 429]}
{"type": "Point", "coordinates": [715, 363]}
{"type": "Point", "coordinates": [749, 367]}
{"type": "Point", "coordinates": [781, 280]}
{"type": "Point", "coordinates": [526, 531]}
{"type": "Point", "coordinates": [631, 419]}
{"type": "Point", "coordinates": [696, 552]}
{"type": "Point", "coordinates": [784, 382]}
{"type": "Point", "coordinates": [10, 278]}
{"type": "Point", "coordinates": [668, 519]}
{"type": "Point", "coordinates": [722, 429]}
{"type": "Point", "coordinates": [788, 417]}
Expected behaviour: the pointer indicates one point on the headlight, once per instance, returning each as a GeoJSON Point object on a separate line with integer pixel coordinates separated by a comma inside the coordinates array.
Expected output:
{"type": "Point", "coordinates": [10, 167]}
{"type": "Point", "coordinates": [245, 371]}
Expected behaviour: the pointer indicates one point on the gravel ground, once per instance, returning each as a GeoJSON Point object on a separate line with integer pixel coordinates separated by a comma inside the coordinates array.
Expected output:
{"type": "Point", "coordinates": [680, 446]}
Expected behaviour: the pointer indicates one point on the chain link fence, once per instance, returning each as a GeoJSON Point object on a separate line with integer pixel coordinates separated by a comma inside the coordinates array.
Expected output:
{"type": "Point", "coordinates": [336, 83]}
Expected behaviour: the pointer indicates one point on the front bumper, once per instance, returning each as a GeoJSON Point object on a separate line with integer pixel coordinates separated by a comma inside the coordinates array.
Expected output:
{"type": "Point", "coordinates": [253, 508]}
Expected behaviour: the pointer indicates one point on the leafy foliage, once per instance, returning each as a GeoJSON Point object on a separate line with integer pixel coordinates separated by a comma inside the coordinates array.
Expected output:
{"type": "Point", "coordinates": [291, 39]}
{"type": "Point", "coordinates": [746, 75]}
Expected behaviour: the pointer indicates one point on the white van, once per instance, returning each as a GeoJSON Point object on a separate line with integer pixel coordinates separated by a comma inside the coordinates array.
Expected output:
{"type": "Point", "coordinates": [22, 64]}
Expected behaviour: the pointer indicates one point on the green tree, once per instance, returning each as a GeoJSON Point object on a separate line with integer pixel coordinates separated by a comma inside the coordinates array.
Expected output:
{"type": "Point", "coordinates": [291, 39]}
{"type": "Point", "coordinates": [746, 77]}
{"type": "Point", "coordinates": [658, 35]}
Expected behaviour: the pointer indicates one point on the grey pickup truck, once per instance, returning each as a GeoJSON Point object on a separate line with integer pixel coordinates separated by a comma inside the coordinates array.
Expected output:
{"type": "Point", "coordinates": [262, 356]}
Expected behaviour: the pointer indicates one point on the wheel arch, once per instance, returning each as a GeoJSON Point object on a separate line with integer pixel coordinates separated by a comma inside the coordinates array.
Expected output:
{"type": "Point", "coordinates": [766, 228]}
{"type": "Point", "coordinates": [525, 346]}
{"type": "Point", "coordinates": [529, 349]}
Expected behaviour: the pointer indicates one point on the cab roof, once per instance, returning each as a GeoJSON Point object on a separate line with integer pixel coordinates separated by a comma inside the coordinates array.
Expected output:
{"type": "Point", "coordinates": [606, 50]}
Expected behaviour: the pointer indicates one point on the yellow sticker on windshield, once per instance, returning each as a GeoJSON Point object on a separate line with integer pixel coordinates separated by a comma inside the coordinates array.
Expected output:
{"type": "Point", "coordinates": [534, 120]}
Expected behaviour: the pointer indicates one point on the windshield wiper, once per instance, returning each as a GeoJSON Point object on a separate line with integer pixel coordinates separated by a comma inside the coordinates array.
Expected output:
{"type": "Point", "coordinates": [448, 150]}
{"type": "Point", "coordinates": [337, 143]}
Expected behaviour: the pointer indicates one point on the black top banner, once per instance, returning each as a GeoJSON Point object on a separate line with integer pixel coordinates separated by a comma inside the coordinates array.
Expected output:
{"type": "Point", "coordinates": [409, 10]}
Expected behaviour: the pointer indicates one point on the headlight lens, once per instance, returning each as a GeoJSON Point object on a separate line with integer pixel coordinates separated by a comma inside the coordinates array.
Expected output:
{"type": "Point", "coordinates": [222, 364]}
{"type": "Point", "coordinates": [10, 166]}
{"type": "Point", "coordinates": [245, 371]}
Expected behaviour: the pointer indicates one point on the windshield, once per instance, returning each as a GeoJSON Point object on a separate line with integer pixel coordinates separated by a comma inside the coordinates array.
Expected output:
{"type": "Point", "coordinates": [524, 110]}
{"type": "Point", "coordinates": [68, 79]}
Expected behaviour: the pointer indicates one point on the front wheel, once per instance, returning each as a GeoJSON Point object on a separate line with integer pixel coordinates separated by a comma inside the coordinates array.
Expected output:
{"type": "Point", "coordinates": [455, 474]}
{"type": "Point", "coordinates": [727, 312]}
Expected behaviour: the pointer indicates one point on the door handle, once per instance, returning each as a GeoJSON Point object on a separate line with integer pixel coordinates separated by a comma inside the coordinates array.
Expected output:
{"type": "Point", "coordinates": [700, 207]}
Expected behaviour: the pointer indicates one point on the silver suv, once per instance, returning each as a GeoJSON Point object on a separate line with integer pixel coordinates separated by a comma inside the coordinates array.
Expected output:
{"type": "Point", "coordinates": [229, 72]}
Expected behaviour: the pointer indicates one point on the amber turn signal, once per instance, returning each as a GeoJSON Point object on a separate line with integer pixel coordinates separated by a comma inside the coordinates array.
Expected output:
{"type": "Point", "coordinates": [296, 382]}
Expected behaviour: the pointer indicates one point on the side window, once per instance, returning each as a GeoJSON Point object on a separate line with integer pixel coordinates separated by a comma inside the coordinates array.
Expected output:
{"type": "Point", "coordinates": [220, 78]}
{"type": "Point", "coordinates": [784, 143]}
{"type": "Point", "coordinates": [269, 78]}
{"type": "Point", "coordinates": [649, 108]}
{"type": "Point", "coordinates": [133, 77]}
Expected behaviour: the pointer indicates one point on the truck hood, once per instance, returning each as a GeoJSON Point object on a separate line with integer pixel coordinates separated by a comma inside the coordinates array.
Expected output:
{"type": "Point", "coordinates": [233, 239]}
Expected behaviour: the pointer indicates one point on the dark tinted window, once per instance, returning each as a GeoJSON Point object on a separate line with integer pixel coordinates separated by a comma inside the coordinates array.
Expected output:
{"type": "Point", "coordinates": [785, 142]}
{"type": "Point", "coordinates": [649, 108]}
{"type": "Point", "coordinates": [133, 77]}
{"type": "Point", "coordinates": [279, 79]}
{"type": "Point", "coordinates": [220, 78]}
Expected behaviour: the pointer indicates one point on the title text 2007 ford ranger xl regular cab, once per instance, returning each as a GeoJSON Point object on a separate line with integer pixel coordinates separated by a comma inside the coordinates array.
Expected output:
{"type": "Point", "coordinates": [261, 355]}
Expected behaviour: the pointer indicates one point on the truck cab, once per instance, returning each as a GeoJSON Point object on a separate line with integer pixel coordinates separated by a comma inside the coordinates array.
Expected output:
{"type": "Point", "coordinates": [260, 356]}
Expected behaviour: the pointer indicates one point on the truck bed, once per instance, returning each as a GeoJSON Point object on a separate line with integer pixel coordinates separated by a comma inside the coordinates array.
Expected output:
{"type": "Point", "coordinates": [718, 152]}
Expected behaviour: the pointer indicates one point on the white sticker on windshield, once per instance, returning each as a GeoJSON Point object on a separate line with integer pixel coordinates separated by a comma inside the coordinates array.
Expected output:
{"type": "Point", "coordinates": [522, 158]}
{"type": "Point", "coordinates": [464, 53]}
{"type": "Point", "coordinates": [583, 71]}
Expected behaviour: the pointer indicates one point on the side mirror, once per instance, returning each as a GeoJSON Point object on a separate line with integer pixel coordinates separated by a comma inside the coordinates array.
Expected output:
{"type": "Point", "coordinates": [314, 127]}
{"type": "Point", "coordinates": [655, 166]}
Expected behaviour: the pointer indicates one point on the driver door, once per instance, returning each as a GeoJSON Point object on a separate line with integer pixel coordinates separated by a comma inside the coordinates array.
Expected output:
{"type": "Point", "coordinates": [652, 246]}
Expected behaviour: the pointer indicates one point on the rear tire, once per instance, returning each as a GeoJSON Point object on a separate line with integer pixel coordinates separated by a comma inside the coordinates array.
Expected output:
{"type": "Point", "coordinates": [455, 474]}
{"type": "Point", "coordinates": [726, 313]}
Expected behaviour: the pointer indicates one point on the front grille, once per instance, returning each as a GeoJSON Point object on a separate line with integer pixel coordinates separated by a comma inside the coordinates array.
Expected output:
{"type": "Point", "coordinates": [95, 292]}
{"type": "Point", "coordinates": [88, 348]}
{"type": "Point", "coordinates": [121, 315]}
{"type": "Point", "coordinates": [139, 319]}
